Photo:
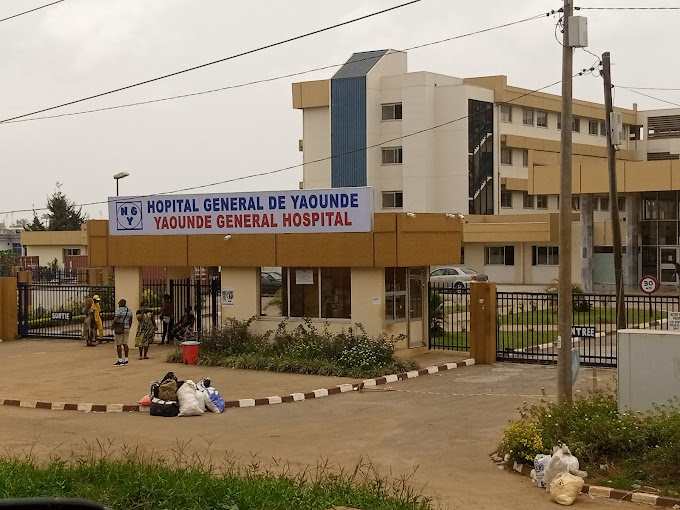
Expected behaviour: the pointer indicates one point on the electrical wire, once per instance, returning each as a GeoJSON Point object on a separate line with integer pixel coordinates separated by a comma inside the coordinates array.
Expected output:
{"type": "Point", "coordinates": [627, 8]}
{"type": "Point", "coordinates": [266, 80]}
{"type": "Point", "coordinates": [649, 88]}
{"type": "Point", "coordinates": [231, 57]}
{"type": "Point", "coordinates": [30, 10]}
{"type": "Point", "coordinates": [319, 160]}
{"type": "Point", "coordinates": [646, 95]}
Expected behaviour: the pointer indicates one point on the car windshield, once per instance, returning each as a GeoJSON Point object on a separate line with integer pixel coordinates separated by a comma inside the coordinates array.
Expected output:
{"type": "Point", "coordinates": [468, 271]}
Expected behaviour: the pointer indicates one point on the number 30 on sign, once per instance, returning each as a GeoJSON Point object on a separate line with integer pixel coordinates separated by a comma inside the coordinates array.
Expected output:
{"type": "Point", "coordinates": [649, 284]}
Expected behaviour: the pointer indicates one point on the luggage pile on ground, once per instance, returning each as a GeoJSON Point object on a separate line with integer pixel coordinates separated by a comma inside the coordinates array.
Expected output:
{"type": "Point", "coordinates": [171, 397]}
{"type": "Point", "coordinates": [559, 474]}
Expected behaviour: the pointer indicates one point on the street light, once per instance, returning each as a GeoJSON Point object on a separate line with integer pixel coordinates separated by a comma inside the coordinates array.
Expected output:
{"type": "Point", "coordinates": [119, 176]}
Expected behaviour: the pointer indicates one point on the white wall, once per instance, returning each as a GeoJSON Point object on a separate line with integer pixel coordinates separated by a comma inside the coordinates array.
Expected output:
{"type": "Point", "coordinates": [47, 254]}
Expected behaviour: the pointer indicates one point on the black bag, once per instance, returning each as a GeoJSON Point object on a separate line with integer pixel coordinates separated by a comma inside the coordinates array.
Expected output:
{"type": "Point", "coordinates": [155, 385]}
{"type": "Point", "coordinates": [166, 408]}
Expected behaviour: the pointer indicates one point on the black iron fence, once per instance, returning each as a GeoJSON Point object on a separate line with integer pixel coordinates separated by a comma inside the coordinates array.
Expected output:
{"type": "Point", "coordinates": [527, 324]}
{"type": "Point", "coordinates": [449, 316]}
{"type": "Point", "coordinates": [52, 311]}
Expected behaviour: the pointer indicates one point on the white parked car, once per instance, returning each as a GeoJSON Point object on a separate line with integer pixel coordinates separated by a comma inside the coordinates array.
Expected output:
{"type": "Point", "coordinates": [452, 277]}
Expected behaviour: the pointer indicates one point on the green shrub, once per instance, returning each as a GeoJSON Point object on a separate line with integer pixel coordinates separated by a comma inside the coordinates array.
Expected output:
{"type": "Point", "coordinates": [638, 447]}
{"type": "Point", "coordinates": [303, 350]}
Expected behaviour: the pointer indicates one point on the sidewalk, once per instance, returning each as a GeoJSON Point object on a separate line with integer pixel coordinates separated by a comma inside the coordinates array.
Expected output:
{"type": "Point", "coordinates": [65, 370]}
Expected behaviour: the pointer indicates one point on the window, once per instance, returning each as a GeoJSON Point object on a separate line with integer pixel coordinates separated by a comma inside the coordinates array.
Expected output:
{"type": "Point", "coordinates": [542, 119]}
{"type": "Point", "coordinates": [392, 156]}
{"type": "Point", "coordinates": [499, 255]}
{"type": "Point", "coordinates": [604, 203]}
{"type": "Point", "coordinates": [622, 204]}
{"type": "Point", "coordinates": [392, 199]}
{"type": "Point", "coordinates": [391, 111]}
{"type": "Point", "coordinates": [603, 128]}
{"type": "Point", "coordinates": [525, 158]}
{"type": "Point", "coordinates": [506, 156]}
{"type": "Point", "coordinates": [528, 117]}
{"type": "Point", "coordinates": [527, 200]}
{"type": "Point", "coordinates": [71, 251]}
{"type": "Point", "coordinates": [17, 248]}
{"type": "Point", "coordinates": [575, 123]}
{"type": "Point", "coordinates": [506, 199]}
{"type": "Point", "coordinates": [306, 292]}
{"type": "Point", "coordinates": [593, 127]}
{"type": "Point", "coordinates": [575, 203]}
{"type": "Point", "coordinates": [545, 256]}
{"type": "Point", "coordinates": [395, 293]}
{"type": "Point", "coordinates": [541, 201]}
{"type": "Point", "coordinates": [506, 113]}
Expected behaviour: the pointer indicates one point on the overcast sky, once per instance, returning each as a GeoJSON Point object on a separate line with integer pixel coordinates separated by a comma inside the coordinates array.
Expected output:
{"type": "Point", "coordinates": [82, 47]}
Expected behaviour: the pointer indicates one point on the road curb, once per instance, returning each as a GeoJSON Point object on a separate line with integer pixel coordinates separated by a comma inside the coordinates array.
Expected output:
{"type": "Point", "coordinates": [599, 491]}
{"type": "Point", "coordinates": [245, 402]}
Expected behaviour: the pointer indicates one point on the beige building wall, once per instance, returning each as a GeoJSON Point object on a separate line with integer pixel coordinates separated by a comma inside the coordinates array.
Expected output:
{"type": "Point", "coordinates": [316, 132]}
{"type": "Point", "coordinates": [129, 287]}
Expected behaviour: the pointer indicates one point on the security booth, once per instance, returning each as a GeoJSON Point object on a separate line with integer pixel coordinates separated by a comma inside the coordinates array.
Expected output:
{"type": "Point", "coordinates": [320, 255]}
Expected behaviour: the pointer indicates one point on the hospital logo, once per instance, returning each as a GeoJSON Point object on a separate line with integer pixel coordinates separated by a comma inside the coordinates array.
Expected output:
{"type": "Point", "coordinates": [129, 216]}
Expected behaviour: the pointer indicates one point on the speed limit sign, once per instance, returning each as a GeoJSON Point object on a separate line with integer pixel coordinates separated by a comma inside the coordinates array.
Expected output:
{"type": "Point", "coordinates": [649, 284]}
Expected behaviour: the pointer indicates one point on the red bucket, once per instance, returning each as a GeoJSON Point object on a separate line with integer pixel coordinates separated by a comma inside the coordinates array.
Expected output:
{"type": "Point", "coordinates": [190, 352]}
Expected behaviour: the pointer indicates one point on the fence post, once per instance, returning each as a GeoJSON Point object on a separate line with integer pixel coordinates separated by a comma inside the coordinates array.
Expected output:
{"type": "Point", "coordinates": [9, 310]}
{"type": "Point", "coordinates": [483, 322]}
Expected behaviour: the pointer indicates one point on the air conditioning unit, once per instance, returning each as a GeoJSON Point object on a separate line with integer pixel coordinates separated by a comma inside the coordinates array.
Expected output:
{"type": "Point", "coordinates": [616, 127]}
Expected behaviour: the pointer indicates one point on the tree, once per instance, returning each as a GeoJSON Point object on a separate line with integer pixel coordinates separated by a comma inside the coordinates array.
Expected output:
{"type": "Point", "coordinates": [8, 258]}
{"type": "Point", "coordinates": [63, 215]}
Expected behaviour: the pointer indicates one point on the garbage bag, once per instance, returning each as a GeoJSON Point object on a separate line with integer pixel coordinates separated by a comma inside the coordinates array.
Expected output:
{"type": "Point", "coordinates": [540, 465]}
{"type": "Point", "coordinates": [562, 461]}
{"type": "Point", "coordinates": [565, 487]}
{"type": "Point", "coordinates": [188, 403]}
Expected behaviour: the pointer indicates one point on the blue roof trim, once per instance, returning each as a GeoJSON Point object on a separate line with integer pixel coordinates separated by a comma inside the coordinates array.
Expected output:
{"type": "Point", "coordinates": [359, 64]}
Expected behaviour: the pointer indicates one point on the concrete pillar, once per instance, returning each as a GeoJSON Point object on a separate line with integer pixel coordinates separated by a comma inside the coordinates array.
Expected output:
{"type": "Point", "coordinates": [245, 282]}
{"type": "Point", "coordinates": [368, 299]}
{"type": "Point", "coordinates": [9, 312]}
{"type": "Point", "coordinates": [483, 322]}
{"type": "Point", "coordinates": [129, 287]}
{"type": "Point", "coordinates": [630, 258]}
{"type": "Point", "coordinates": [587, 242]}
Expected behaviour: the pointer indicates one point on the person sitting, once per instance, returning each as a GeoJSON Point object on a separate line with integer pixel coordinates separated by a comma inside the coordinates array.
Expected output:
{"type": "Point", "coordinates": [185, 326]}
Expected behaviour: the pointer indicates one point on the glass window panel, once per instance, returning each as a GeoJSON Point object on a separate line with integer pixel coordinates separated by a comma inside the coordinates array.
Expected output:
{"type": "Point", "coordinates": [649, 256]}
{"type": "Point", "coordinates": [388, 199]}
{"type": "Point", "coordinates": [389, 308]}
{"type": "Point", "coordinates": [304, 297]}
{"type": "Point", "coordinates": [668, 275]}
{"type": "Point", "coordinates": [415, 293]}
{"type": "Point", "coordinates": [649, 233]}
{"type": "Point", "coordinates": [400, 306]}
{"type": "Point", "coordinates": [336, 291]}
{"type": "Point", "coordinates": [399, 279]}
{"type": "Point", "coordinates": [398, 199]}
{"type": "Point", "coordinates": [668, 232]}
{"type": "Point", "coordinates": [389, 279]}
{"type": "Point", "coordinates": [273, 292]}
{"type": "Point", "coordinates": [668, 206]}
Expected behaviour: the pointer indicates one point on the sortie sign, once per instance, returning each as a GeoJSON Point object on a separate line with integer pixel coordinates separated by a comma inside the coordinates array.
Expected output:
{"type": "Point", "coordinates": [299, 211]}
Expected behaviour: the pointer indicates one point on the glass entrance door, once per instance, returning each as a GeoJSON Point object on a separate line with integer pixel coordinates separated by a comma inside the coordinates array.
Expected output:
{"type": "Point", "coordinates": [668, 258]}
{"type": "Point", "coordinates": [416, 292]}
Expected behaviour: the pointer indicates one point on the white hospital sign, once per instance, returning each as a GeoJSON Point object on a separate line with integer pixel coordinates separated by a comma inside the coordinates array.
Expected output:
{"type": "Point", "coordinates": [266, 212]}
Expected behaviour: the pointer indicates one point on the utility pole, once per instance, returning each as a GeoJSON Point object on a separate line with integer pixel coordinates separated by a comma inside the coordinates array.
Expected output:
{"type": "Point", "coordinates": [613, 194]}
{"type": "Point", "coordinates": [564, 298]}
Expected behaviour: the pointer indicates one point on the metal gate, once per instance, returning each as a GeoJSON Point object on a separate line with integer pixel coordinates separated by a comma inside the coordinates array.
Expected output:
{"type": "Point", "coordinates": [202, 295]}
{"type": "Point", "coordinates": [449, 316]}
{"type": "Point", "coordinates": [527, 324]}
{"type": "Point", "coordinates": [56, 311]}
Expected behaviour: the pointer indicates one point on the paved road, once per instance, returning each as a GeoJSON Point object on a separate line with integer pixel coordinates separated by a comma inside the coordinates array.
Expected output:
{"type": "Point", "coordinates": [441, 426]}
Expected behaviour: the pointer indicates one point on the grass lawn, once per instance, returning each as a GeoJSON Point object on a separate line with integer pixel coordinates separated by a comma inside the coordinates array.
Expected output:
{"type": "Point", "coordinates": [524, 339]}
{"type": "Point", "coordinates": [453, 340]}
{"type": "Point", "coordinates": [596, 315]}
{"type": "Point", "coordinates": [131, 483]}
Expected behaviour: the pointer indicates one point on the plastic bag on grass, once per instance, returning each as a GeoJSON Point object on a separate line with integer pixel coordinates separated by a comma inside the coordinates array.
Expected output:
{"type": "Point", "coordinates": [565, 487]}
{"type": "Point", "coordinates": [562, 461]}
